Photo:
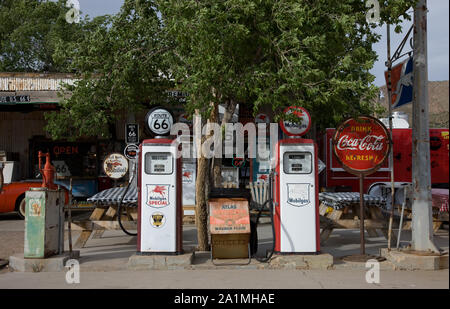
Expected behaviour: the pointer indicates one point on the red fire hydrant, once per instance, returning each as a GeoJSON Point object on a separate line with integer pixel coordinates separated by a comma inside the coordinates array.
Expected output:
{"type": "Point", "coordinates": [48, 173]}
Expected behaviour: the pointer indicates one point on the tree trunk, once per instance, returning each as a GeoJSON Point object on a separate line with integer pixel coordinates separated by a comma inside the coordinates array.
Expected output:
{"type": "Point", "coordinates": [202, 190]}
{"type": "Point", "coordinates": [203, 183]}
{"type": "Point", "coordinates": [201, 214]}
{"type": "Point", "coordinates": [230, 107]}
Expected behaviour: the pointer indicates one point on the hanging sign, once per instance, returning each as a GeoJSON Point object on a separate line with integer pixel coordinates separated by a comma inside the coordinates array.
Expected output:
{"type": "Point", "coordinates": [262, 118]}
{"type": "Point", "coordinates": [132, 133]}
{"type": "Point", "coordinates": [361, 145]}
{"type": "Point", "coordinates": [131, 151]}
{"type": "Point", "coordinates": [402, 83]}
{"type": "Point", "coordinates": [159, 121]}
{"type": "Point", "coordinates": [296, 129]}
{"type": "Point", "coordinates": [115, 166]}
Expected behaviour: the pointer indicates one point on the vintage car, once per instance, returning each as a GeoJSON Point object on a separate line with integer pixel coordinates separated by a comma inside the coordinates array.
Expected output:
{"type": "Point", "coordinates": [12, 196]}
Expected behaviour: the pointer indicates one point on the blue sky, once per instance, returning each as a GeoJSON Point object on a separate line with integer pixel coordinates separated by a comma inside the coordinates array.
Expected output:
{"type": "Point", "coordinates": [438, 36]}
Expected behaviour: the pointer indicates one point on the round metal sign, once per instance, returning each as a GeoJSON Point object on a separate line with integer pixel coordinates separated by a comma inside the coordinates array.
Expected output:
{"type": "Point", "coordinates": [159, 121]}
{"type": "Point", "coordinates": [131, 151]}
{"type": "Point", "coordinates": [115, 166]}
{"type": "Point", "coordinates": [361, 145]}
{"type": "Point", "coordinates": [262, 118]}
{"type": "Point", "coordinates": [295, 129]}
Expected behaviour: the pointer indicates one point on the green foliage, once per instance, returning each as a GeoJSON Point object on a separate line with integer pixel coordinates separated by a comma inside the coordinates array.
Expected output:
{"type": "Point", "coordinates": [396, 11]}
{"type": "Point", "coordinates": [314, 54]}
{"type": "Point", "coordinates": [29, 32]}
{"type": "Point", "coordinates": [121, 66]}
{"type": "Point", "coordinates": [311, 53]}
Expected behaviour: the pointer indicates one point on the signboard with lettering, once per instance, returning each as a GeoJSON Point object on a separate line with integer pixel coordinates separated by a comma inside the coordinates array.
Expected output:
{"type": "Point", "coordinates": [15, 99]}
{"type": "Point", "coordinates": [159, 121]}
{"type": "Point", "coordinates": [132, 133]}
{"type": "Point", "coordinates": [131, 151]}
{"type": "Point", "coordinates": [188, 180]}
{"type": "Point", "coordinates": [361, 145]}
{"type": "Point", "coordinates": [402, 83]}
{"type": "Point", "coordinates": [229, 216]}
{"type": "Point", "coordinates": [296, 129]}
{"type": "Point", "coordinates": [115, 166]}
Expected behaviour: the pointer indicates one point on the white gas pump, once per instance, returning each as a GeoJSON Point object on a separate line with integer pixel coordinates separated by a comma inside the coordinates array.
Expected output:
{"type": "Point", "coordinates": [160, 207]}
{"type": "Point", "coordinates": [160, 197]}
{"type": "Point", "coordinates": [296, 195]}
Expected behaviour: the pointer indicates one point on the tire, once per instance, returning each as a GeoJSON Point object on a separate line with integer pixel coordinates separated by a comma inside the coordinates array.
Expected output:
{"type": "Point", "coordinates": [20, 207]}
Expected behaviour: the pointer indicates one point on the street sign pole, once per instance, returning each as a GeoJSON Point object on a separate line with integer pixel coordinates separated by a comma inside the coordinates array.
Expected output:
{"type": "Point", "coordinates": [361, 214]}
{"type": "Point", "coordinates": [391, 155]}
{"type": "Point", "coordinates": [422, 227]}
{"type": "Point", "coordinates": [131, 118]}
{"type": "Point", "coordinates": [361, 145]}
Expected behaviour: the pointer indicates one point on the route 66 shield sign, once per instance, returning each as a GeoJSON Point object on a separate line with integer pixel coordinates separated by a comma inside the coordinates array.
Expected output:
{"type": "Point", "coordinates": [159, 121]}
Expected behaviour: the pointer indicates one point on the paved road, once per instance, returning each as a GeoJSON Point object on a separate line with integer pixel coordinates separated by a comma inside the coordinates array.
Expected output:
{"type": "Point", "coordinates": [104, 260]}
{"type": "Point", "coordinates": [230, 279]}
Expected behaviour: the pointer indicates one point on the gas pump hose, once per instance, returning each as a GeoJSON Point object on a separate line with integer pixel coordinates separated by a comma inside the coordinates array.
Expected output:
{"type": "Point", "coordinates": [119, 217]}
{"type": "Point", "coordinates": [268, 256]}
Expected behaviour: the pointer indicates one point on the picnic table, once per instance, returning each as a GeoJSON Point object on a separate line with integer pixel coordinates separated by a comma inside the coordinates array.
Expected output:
{"type": "Point", "coordinates": [105, 214]}
{"type": "Point", "coordinates": [341, 210]}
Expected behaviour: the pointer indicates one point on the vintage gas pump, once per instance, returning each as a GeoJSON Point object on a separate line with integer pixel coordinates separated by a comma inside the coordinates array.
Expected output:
{"type": "Point", "coordinates": [296, 193]}
{"type": "Point", "coordinates": [44, 219]}
{"type": "Point", "coordinates": [160, 193]}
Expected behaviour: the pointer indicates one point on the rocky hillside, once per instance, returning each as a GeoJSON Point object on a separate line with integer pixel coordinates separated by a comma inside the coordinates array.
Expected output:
{"type": "Point", "coordinates": [438, 104]}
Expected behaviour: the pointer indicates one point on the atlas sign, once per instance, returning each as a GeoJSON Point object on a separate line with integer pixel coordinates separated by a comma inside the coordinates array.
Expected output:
{"type": "Point", "coordinates": [361, 145]}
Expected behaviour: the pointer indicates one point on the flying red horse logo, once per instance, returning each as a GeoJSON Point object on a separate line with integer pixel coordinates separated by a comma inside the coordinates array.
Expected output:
{"type": "Point", "coordinates": [160, 189]}
{"type": "Point", "coordinates": [263, 177]}
{"type": "Point", "coordinates": [158, 195]}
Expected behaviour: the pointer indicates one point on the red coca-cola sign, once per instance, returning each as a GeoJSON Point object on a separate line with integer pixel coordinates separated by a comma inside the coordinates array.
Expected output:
{"type": "Point", "coordinates": [361, 145]}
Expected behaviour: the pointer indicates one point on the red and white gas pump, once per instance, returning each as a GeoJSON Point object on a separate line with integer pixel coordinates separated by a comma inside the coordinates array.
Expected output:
{"type": "Point", "coordinates": [296, 195]}
{"type": "Point", "coordinates": [159, 195]}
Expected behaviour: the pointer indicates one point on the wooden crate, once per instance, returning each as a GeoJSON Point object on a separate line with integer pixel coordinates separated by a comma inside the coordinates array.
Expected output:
{"type": "Point", "coordinates": [230, 246]}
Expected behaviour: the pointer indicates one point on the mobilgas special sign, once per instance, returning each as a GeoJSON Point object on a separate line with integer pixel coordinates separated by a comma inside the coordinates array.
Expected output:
{"type": "Point", "coordinates": [158, 196]}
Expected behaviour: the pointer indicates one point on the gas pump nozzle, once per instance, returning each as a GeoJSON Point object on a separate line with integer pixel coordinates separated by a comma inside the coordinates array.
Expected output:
{"type": "Point", "coordinates": [48, 172]}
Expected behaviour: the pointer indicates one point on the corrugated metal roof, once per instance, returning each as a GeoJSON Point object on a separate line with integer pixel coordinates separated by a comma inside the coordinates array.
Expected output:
{"type": "Point", "coordinates": [34, 81]}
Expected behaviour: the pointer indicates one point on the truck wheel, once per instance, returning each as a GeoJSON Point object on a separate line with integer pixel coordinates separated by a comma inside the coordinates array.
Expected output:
{"type": "Point", "coordinates": [20, 206]}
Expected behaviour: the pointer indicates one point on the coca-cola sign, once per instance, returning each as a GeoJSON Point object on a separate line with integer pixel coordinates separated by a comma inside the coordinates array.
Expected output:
{"type": "Point", "coordinates": [361, 145]}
